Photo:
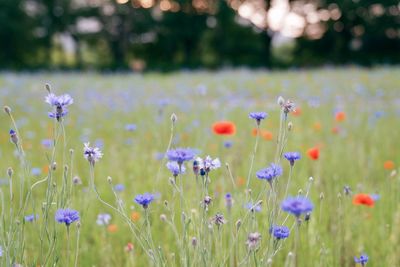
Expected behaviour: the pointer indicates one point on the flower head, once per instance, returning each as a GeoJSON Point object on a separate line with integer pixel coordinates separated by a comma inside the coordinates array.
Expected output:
{"type": "Point", "coordinates": [31, 217]}
{"type": "Point", "coordinates": [258, 116]}
{"type": "Point", "coordinates": [228, 200]}
{"type": "Point", "coordinates": [119, 187]}
{"type": "Point", "coordinates": [253, 240]}
{"type": "Point", "coordinates": [270, 172]}
{"type": "Point", "coordinates": [67, 216]}
{"type": "Point", "coordinates": [175, 169]}
{"type": "Point", "coordinates": [362, 260]}
{"type": "Point", "coordinates": [180, 155]}
{"type": "Point", "coordinates": [144, 199]}
{"type": "Point", "coordinates": [218, 219]}
{"type": "Point", "coordinates": [363, 199]}
{"type": "Point", "coordinates": [253, 207]}
{"type": "Point", "coordinates": [92, 154]}
{"type": "Point", "coordinates": [60, 103]}
{"type": "Point", "coordinates": [208, 164]}
{"type": "Point", "coordinates": [14, 137]}
{"type": "Point", "coordinates": [292, 157]}
{"type": "Point", "coordinates": [279, 232]}
{"type": "Point", "coordinates": [224, 128]}
{"type": "Point", "coordinates": [313, 153]}
{"type": "Point", "coordinates": [297, 205]}
{"type": "Point", "coordinates": [103, 219]}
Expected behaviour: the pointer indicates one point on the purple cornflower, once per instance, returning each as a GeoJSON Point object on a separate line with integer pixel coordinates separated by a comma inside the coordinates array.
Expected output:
{"type": "Point", "coordinates": [67, 216]}
{"type": "Point", "coordinates": [228, 200]}
{"type": "Point", "coordinates": [253, 207]}
{"type": "Point", "coordinates": [14, 137]}
{"type": "Point", "coordinates": [60, 103]}
{"type": "Point", "coordinates": [287, 107]}
{"type": "Point", "coordinates": [119, 187]}
{"type": "Point", "coordinates": [208, 164]}
{"type": "Point", "coordinates": [31, 217]}
{"type": "Point", "coordinates": [92, 154]}
{"type": "Point", "coordinates": [47, 143]}
{"type": "Point", "coordinates": [228, 144]}
{"type": "Point", "coordinates": [175, 169]}
{"type": "Point", "coordinates": [103, 219]}
{"type": "Point", "coordinates": [144, 199]}
{"type": "Point", "coordinates": [130, 127]}
{"type": "Point", "coordinates": [279, 232]}
{"type": "Point", "coordinates": [180, 155]}
{"type": "Point", "coordinates": [362, 260]}
{"type": "Point", "coordinates": [297, 205]}
{"type": "Point", "coordinates": [218, 219]}
{"type": "Point", "coordinates": [36, 171]}
{"type": "Point", "coordinates": [292, 157]}
{"type": "Point", "coordinates": [258, 116]}
{"type": "Point", "coordinates": [270, 172]}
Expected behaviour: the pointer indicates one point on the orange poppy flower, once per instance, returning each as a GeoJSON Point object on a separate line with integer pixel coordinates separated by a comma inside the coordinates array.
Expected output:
{"type": "Point", "coordinates": [388, 165]}
{"type": "Point", "coordinates": [224, 128]}
{"type": "Point", "coordinates": [340, 116]}
{"type": "Point", "coordinates": [297, 111]}
{"type": "Point", "coordinates": [135, 216]}
{"type": "Point", "coordinates": [363, 199]}
{"type": "Point", "coordinates": [313, 153]}
{"type": "Point", "coordinates": [267, 135]}
{"type": "Point", "coordinates": [240, 181]}
{"type": "Point", "coordinates": [112, 228]}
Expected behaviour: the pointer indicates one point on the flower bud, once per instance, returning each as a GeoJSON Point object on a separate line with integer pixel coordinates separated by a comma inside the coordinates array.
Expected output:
{"type": "Point", "coordinates": [281, 100]}
{"type": "Point", "coordinates": [7, 110]}
{"type": "Point", "coordinates": [10, 172]}
{"type": "Point", "coordinates": [174, 118]}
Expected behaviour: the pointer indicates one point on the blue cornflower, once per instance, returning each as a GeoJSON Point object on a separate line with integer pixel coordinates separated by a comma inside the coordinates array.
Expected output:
{"type": "Point", "coordinates": [297, 205]}
{"type": "Point", "coordinates": [144, 199]}
{"type": "Point", "coordinates": [67, 216]}
{"type": "Point", "coordinates": [279, 232]}
{"type": "Point", "coordinates": [180, 155]}
{"type": "Point", "coordinates": [14, 137]}
{"type": "Point", "coordinates": [258, 116]}
{"type": "Point", "coordinates": [270, 172]}
{"type": "Point", "coordinates": [119, 187]}
{"type": "Point", "coordinates": [103, 219]}
{"type": "Point", "coordinates": [253, 207]}
{"type": "Point", "coordinates": [60, 103]}
{"type": "Point", "coordinates": [130, 127]}
{"type": "Point", "coordinates": [228, 144]}
{"type": "Point", "coordinates": [228, 200]}
{"type": "Point", "coordinates": [362, 260]}
{"type": "Point", "coordinates": [31, 217]}
{"type": "Point", "coordinates": [36, 171]}
{"type": "Point", "coordinates": [174, 168]}
{"type": "Point", "coordinates": [292, 157]}
{"type": "Point", "coordinates": [92, 154]}
{"type": "Point", "coordinates": [47, 143]}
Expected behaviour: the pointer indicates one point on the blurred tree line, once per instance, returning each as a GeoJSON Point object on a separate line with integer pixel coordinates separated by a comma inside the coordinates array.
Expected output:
{"type": "Point", "coordinates": [171, 34]}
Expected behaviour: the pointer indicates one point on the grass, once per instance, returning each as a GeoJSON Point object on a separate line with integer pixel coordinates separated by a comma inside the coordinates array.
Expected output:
{"type": "Point", "coordinates": [352, 153]}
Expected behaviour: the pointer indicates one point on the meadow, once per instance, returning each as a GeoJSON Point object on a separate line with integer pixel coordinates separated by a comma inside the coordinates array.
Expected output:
{"type": "Point", "coordinates": [343, 122]}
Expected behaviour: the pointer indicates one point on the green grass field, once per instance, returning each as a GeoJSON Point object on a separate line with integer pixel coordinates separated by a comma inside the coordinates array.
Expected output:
{"type": "Point", "coordinates": [129, 118]}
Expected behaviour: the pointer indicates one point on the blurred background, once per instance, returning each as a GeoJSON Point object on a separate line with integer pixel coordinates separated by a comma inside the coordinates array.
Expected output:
{"type": "Point", "coordinates": [166, 35]}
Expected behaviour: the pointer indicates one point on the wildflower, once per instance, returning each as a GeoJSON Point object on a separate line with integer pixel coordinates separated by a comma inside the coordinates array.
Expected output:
{"type": "Point", "coordinates": [228, 144]}
{"type": "Point", "coordinates": [347, 190]}
{"type": "Point", "coordinates": [279, 232]}
{"type": "Point", "coordinates": [270, 172]}
{"type": "Point", "coordinates": [14, 137]}
{"type": "Point", "coordinates": [129, 247]}
{"type": "Point", "coordinates": [292, 157]}
{"type": "Point", "coordinates": [135, 216]}
{"type": "Point", "coordinates": [119, 187]}
{"type": "Point", "coordinates": [130, 127]}
{"type": "Point", "coordinates": [258, 116]}
{"type": "Point", "coordinates": [253, 207]}
{"type": "Point", "coordinates": [175, 169]}
{"type": "Point", "coordinates": [253, 240]}
{"type": "Point", "coordinates": [207, 200]}
{"type": "Point", "coordinates": [224, 128]}
{"type": "Point", "coordinates": [362, 260]}
{"type": "Point", "coordinates": [194, 241]}
{"type": "Point", "coordinates": [196, 167]}
{"type": "Point", "coordinates": [112, 228]}
{"type": "Point", "coordinates": [363, 199]}
{"type": "Point", "coordinates": [47, 143]}
{"type": "Point", "coordinates": [60, 103]}
{"type": "Point", "coordinates": [103, 219]}
{"type": "Point", "coordinates": [144, 199]}
{"type": "Point", "coordinates": [92, 154]}
{"type": "Point", "coordinates": [313, 153]}
{"type": "Point", "coordinates": [180, 155]}
{"type": "Point", "coordinates": [388, 165]}
{"type": "Point", "coordinates": [340, 116]}
{"type": "Point", "coordinates": [31, 217]}
{"type": "Point", "coordinates": [76, 180]}
{"type": "Point", "coordinates": [208, 164]}
{"type": "Point", "coordinates": [67, 216]}
{"type": "Point", "coordinates": [1, 251]}
{"type": "Point", "coordinates": [228, 201]}
{"type": "Point", "coordinates": [297, 205]}
{"type": "Point", "coordinates": [36, 171]}
{"type": "Point", "coordinates": [288, 107]}
{"type": "Point", "coordinates": [218, 219]}
{"type": "Point", "coordinates": [375, 197]}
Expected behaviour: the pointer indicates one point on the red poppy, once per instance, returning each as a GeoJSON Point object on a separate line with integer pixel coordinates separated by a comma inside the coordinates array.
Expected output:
{"type": "Point", "coordinates": [388, 165]}
{"type": "Point", "coordinates": [224, 128]}
{"type": "Point", "coordinates": [340, 116]}
{"type": "Point", "coordinates": [363, 199]}
{"type": "Point", "coordinates": [313, 153]}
